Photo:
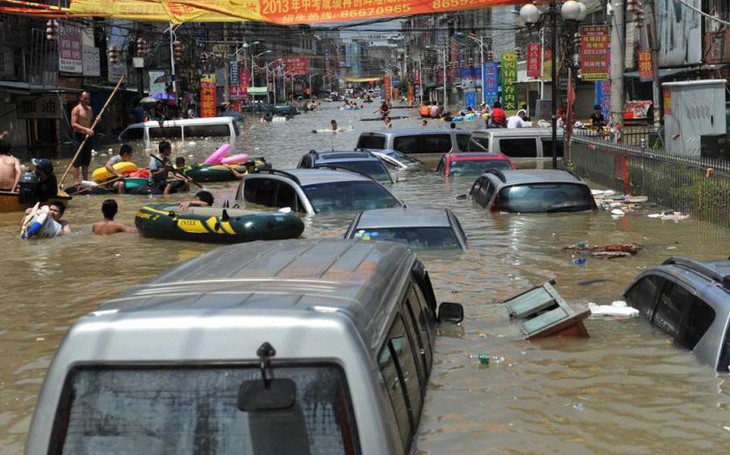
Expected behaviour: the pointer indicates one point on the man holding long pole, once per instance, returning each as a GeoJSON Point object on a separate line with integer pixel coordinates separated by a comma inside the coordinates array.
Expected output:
{"type": "Point", "coordinates": [81, 119]}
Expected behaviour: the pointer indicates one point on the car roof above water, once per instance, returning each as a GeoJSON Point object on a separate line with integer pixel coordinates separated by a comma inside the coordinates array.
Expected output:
{"type": "Point", "coordinates": [522, 176]}
{"type": "Point", "coordinates": [315, 176]}
{"type": "Point", "coordinates": [403, 217]}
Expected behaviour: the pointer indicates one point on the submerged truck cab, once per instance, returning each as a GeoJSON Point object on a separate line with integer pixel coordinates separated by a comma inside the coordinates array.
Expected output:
{"type": "Point", "coordinates": [298, 346]}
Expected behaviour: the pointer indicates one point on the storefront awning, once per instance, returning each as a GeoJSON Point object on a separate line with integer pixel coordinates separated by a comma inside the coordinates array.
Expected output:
{"type": "Point", "coordinates": [25, 88]}
{"type": "Point", "coordinates": [666, 72]}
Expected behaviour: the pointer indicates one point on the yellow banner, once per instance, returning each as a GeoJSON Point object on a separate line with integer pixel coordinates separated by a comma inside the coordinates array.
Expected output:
{"type": "Point", "coordinates": [362, 79]}
{"type": "Point", "coordinates": [275, 11]}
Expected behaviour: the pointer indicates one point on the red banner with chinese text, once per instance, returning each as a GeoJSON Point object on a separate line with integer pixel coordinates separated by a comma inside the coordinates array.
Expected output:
{"type": "Point", "coordinates": [275, 11]}
{"type": "Point", "coordinates": [243, 78]}
{"type": "Point", "coordinates": [207, 95]}
{"type": "Point", "coordinates": [534, 62]}
{"type": "Point", "coordinates": [387, 88]}
{"type": "Point", "coordinates": [296, 65]}
{"type": "Point", "coordinates": [646, 70]}
{"type": "Point", "coordinates": [594, 52]}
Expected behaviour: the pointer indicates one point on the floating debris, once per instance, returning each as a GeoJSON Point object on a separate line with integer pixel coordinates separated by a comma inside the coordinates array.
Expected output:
{"type": "Point", "coordinates": [669, 215]}
{"type": "Point", "coordinates": [606, 251]}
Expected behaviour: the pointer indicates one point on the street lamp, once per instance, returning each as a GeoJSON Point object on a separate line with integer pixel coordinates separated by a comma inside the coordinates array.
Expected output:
{"type": "Point", "coordinates": [570, 11]}
{"type": "Point", "coordinates": [444, 54]}
{"type": "Point", "coordinates": [253, 62]}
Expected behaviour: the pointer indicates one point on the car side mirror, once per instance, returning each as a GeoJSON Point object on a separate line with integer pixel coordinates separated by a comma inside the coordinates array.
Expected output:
{"type": "Point", "coordinates": [451, 312]}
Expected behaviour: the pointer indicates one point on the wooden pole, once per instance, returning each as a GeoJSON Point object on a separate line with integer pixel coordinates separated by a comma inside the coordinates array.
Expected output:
{"type": "Point", "coordinates": [96, 120]}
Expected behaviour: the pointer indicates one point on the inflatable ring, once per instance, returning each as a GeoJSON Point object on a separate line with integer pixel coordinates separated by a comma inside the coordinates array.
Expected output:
{"type": "Point", "coordinates": [101, 174]}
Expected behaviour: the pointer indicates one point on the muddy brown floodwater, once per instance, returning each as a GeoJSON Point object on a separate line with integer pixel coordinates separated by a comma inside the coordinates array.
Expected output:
{"type": "Point", "coordinates": [626, 389]}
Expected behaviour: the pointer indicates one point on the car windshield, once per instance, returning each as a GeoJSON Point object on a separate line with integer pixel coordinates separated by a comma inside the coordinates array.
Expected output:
{"type": "Point", "coordinates": [349, 196]}
{"type": "Point", "coordinates": [196, 410]}
{"type": "Point", "coordinates": [374, 169]}
{"type": "Point", "coordinates": [402, 157]}
{"type": "Point", "coordinates": [440, 238]}
{"type": "Point", "coordinates": [545, 197]}
{"type": "Point", "coordinates": [476, 167]}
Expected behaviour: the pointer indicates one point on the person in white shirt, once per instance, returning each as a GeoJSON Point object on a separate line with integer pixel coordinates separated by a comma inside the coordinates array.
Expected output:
{"type": "Point", "coordinates": [517, 121]}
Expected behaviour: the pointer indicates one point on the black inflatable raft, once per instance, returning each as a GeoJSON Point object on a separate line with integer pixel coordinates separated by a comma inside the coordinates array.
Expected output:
{"type": "Point", "coordinates": [215, 224]}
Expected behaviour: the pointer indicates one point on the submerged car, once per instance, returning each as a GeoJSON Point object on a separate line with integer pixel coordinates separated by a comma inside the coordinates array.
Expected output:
{"type": "Point", "coordinates": [472, 163]}
{"type": "Point", "coordinates": [689, 300]}
{"type": "Point", "coordinates": [363, 162]}
{"type": "Point", "coordinates": [419, 228]}
{"type": "Point", "coordinates": [532, 191]}
{"type": "Point", "coordinates": [313, 191]}
{"type": "Point", "coordinates": [278, 347]}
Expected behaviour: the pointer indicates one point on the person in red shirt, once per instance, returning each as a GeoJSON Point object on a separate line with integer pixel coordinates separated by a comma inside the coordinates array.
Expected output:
{"type": "Point", "coordinates": [499, 117]}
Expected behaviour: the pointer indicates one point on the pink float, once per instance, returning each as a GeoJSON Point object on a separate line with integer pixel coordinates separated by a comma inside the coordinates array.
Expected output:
{"type": "Point", "coordinates": [235, 159]}
{"type": "Point", "coordinates": [217, 156]}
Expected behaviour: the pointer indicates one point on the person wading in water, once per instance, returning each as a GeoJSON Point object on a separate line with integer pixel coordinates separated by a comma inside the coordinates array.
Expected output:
{"type": "Point", "coordinates": [81, 118]}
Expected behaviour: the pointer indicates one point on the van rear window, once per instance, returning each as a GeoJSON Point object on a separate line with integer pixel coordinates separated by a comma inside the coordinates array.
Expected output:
{"type": "Point", "coordinates": [194, 410]}
{"type": "Point", "coordinates": [436, 143]}
{"type": "Point", "coordinates": [371, 142]}
{"type": "Point", "coordinates": [165, 132]}
{"type": "Point", "coordinates": [132, 134]}
{"type": "Point", "coordinates": [207, 130]}
{"type": "Point", "coordinates": [518, 147]}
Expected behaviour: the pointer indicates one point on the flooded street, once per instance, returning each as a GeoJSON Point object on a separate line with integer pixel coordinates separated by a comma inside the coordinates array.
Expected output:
{"type": "Point", "coordinates": [626, 389]}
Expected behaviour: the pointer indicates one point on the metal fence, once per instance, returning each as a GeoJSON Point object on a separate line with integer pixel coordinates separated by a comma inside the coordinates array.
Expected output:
{"type": "Point", "coordinates": [697, 186]}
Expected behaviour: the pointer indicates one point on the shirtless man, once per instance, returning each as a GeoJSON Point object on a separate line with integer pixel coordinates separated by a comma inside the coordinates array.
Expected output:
{"type": "Point", "coordinates": [81, 120]}
{"type": "Point", "coordinates": [108, 226]}
{"type": "Point", "coordinates": [9, 168]}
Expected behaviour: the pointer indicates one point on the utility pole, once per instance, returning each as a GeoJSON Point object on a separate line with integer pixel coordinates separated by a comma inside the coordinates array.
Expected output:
{"type": "Point", "coordinates": [226, 66]}
{"type": "Point", "coordinates": [617, 61]}
{"type": "Point", "coordinates": [653, 46]}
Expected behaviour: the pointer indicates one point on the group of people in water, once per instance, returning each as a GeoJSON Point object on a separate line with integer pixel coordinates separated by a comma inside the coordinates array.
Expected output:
{"type": "Point", "coordinates": [164, 176]}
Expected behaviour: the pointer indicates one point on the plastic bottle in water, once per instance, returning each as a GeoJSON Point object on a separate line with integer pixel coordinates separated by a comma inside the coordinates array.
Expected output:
{"type": "Point", "coordinates": [481, 359]}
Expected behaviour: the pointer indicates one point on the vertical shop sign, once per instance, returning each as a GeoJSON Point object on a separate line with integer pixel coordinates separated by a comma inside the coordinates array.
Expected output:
{"type": "Point", "coordinates": [70, 50]}
{"type": "Point", "coordinates": [387, 87]}
{"type": "Point", "coordinates": [509, 77]}
{"type": "Point", "coordinates": [243, 78]}
{"type": "Point", "coordinates": [534, 65]}
{"type": "Point", "coordinates": [491, 83]}
{"type": "Point", "coordinates": [603, 97]}
{"type": "Point", "coordinates": [207, 95]}
{"type": "Point", "coordinates": [594, 52]}
{"type": "Point", "coordinates": [646, 71]}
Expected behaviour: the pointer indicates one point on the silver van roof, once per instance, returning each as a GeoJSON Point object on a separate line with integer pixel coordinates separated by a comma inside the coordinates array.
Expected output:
{"type": "Point", "coordinates": [532, 132]}
{"type": "Point", "coordinates": [315, 279]}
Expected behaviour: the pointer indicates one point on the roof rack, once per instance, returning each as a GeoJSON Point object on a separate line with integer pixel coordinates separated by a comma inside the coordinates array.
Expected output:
{"type": "Point", "coordinates": [314, 152]}
{"type": "Point", "coordinates": [336, 167]}
{"type": "Point", "coordinates": [699, 267]}
{"type": "Point", "coordinates": [280, 172]}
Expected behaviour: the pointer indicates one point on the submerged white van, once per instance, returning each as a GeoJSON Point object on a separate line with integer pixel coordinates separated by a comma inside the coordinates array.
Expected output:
{"type": "Point", "coordinates": [263, 348]}
{"type": "Point", "coordinates": [180, 129]}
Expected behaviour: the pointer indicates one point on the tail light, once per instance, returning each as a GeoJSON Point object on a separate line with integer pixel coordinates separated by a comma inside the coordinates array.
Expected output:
{"type": "Point", "coordinates": [495, 206]}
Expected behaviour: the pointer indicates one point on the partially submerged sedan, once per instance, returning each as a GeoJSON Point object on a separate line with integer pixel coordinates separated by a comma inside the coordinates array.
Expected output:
{"type": "Point", "coordinates": [472, 163]}
{"type": "Point", "coordinates": [532, 191]}
{"type": "Point", "coordinates": [313, 191]}
{"type": "Point", "coordinates": [419, 228]}
{"type": "Point", "coordinates": [689, 300]}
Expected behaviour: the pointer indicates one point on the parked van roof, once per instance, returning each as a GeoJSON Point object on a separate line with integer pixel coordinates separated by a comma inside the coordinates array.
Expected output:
{"type": "Point", "coordinates": [518, 132]}
{"type": "Point", "coordinates": [306, 280]}
{"type": "Point", "coordinates": [421, 130]}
